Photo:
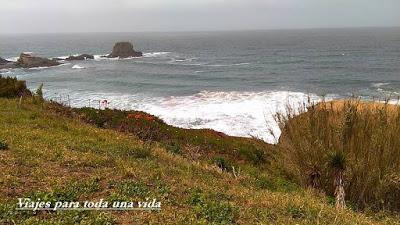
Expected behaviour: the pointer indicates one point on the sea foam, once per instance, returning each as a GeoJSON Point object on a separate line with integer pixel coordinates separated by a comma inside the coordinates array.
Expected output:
{"type": "Point", "coordinates": [244, 114]}
{"type": "Point", "coordinates": [78, 67]}
{"type": "Point", "coordinates": [155, 54]}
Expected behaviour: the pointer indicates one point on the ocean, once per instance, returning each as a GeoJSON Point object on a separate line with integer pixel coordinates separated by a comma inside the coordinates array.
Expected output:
{"type": "Point", "coordinates": [233, 82]}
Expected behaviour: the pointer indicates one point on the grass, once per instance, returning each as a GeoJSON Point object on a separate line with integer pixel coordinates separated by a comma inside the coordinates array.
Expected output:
{"type": "Point", "coordinates": [48, 156]}
{"type": "Point", "coordinates": [361, 139]}
{"type": "Point", "coordinates": [208, 144]}
{"type": "Point", "coordinates": [58, 153]}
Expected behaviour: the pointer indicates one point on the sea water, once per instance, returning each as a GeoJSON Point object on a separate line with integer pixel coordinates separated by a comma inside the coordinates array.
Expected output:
{"type": "Point", "coordinates": [233, 82]}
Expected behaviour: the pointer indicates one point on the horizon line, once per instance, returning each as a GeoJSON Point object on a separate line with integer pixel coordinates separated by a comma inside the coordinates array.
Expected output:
{"type": "Point", "coordinates": [201, 31]}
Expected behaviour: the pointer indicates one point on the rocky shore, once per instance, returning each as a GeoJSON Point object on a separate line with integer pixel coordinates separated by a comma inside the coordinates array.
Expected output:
{"type": "Point", "coordinates": [5, 64]}
{"type": "Point", "coordinates": [27, 60]}
{"type": "Point", "coordinates": [30, 61]}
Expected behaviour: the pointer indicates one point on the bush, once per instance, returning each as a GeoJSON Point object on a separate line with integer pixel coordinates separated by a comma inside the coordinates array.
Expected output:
{"type": "Point", "coordinates": [38, 96]}
{"type": "Point", "coordinates": [263, 182]}
{"type": "Point", "coordinates": [223, 163]}
{"type": "Point", "coordinates": [362, 136]}
{"type": "Point", "coordinates": [143, 152]}
{"type": "Point", "coordinates": [11, 87]}
{"type": "Point", "coordinates": [174, 148]}
{"type": "Point", "coordinates": [3, 145]}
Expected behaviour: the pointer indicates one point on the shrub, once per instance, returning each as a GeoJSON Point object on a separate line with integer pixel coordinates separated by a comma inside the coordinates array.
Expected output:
{"type": "Point", "coordinates": [263, 182]}
{"type": "Point", "coordinates": [38, 96]}
{"type": "Point", "coordinates": [357, 141]}
{"type": "Point", "coordinates": [144, 152]}
{"type": "Point", "coordinates": [3, 145]}
{"type": "Point", "coordinates": [11, 87]}
{"type": "Point", "coordinates": [254, 155]}
{"type": "Point", "coordinates": [223, 163]}
{"type": "Point", "coordinates": [174, 148]}
{"type": "Point", "coordinates": [296, 212]}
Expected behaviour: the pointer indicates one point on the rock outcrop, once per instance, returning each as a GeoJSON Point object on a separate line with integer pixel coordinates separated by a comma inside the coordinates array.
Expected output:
{"type": "Point", "coordinates": [3, 61]}
{"type": "Point", "coordinates": [10, 65]}
{"type": "Point", "coordinates": [124, 50]}
{"type": "Point", "coordinates": [5, 64]}
{"type": "Point", "coordinates": [80, 57]}
{"type": "Point", "coordinates": [30, 61]}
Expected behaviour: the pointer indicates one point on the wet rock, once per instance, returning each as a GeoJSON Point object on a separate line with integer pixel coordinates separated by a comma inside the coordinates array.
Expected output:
{"type": "Point", "coordinates": [3, 61]}
{"type": "Point", "coordinates": [124, 50]}
{"type": "Point", "coordinates": [80, 57]}
{"type": "Point", "coordinates": [30, 61]}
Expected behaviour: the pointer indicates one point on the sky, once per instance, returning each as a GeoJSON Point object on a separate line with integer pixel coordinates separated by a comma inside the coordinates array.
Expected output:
{"type": "Point", "coordinates": [53, 16]}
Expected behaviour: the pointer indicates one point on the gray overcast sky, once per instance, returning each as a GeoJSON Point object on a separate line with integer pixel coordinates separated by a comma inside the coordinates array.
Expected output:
{"type": "Point", "coordinates": [37, 16]}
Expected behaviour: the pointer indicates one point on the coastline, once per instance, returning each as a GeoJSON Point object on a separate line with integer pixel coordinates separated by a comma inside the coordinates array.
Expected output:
{"type": "Point", "coordinates": [115, 155]}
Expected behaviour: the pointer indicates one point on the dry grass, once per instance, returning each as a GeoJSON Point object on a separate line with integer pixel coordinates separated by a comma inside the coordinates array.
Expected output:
{"type": "Point", "coordinates": [366, 134]}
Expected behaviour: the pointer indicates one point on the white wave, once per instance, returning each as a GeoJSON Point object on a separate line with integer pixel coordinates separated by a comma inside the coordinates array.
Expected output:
{"type": "Point", "coordinates": [241, 64]}
{"type": "Point", "coordinates": [377, 85]}
{"type": "Point", "coordinates": [104, 57]}
{"type": "Point", "coordinates": [187, 64]}
{"type": "Point", "coordinates": [242, 114]}
{"type": "Point", "coordinates": [228, 65]}
{"type": "Point", "coordinates": [13, 59]}
{"type": "Point", "coordinates": [128, 58]}
{"type": "Point", "coordinates": [78, 67]}
{"type": "Point", "coordinates": [155, 54]}
{"type": "Point", "coordinates": [184, 59]}
{"type": "Point", "coordinates": [101, 57]}
{"type": "Point", "coordinates": [64, 57]}
{"type": "Point", "coordinates": [39, 68]}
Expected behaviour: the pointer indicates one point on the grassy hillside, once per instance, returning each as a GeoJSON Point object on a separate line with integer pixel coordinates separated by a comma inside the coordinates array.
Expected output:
{"type": "Point", "coordinates": [202, 144]}
{"type": "Point", "coordinates": [53, 157]}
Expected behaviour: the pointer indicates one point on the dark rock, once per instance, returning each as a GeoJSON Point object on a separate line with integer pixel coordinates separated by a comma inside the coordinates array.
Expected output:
{"type": "Point", "coordinates": [5, 64]}
{"type": "Point", "coordinates": [80, 57]}
{"type": "Point", "coordinates": [124, 50]}
{"type": "Point", "coordinates": [3, 61]}
{"type": "Point", "coordinates": [10, 65]}
{"type": "Point", "coordinates": [29, 61]}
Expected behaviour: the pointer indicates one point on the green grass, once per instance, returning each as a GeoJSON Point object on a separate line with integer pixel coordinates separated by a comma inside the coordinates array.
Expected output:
{"type": "Point", "coordinates": [60, 157]}
{"type": "Point", "coordinates": [210, 144]}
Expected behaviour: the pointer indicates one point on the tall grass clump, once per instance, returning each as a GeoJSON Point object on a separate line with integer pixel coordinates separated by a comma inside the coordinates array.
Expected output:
{"type": "Point", "coordinates": [348, 149]}
{"type": "Point", "coordinates": [11, 87]}
{"type": "Point", "coordinates": [38, 95]}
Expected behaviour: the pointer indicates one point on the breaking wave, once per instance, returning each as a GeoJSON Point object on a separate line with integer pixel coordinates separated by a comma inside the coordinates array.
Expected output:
{"type": "Point", "coordinates": [244, 114]}
{"type": "Point", "coordinates": [78, 67]}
